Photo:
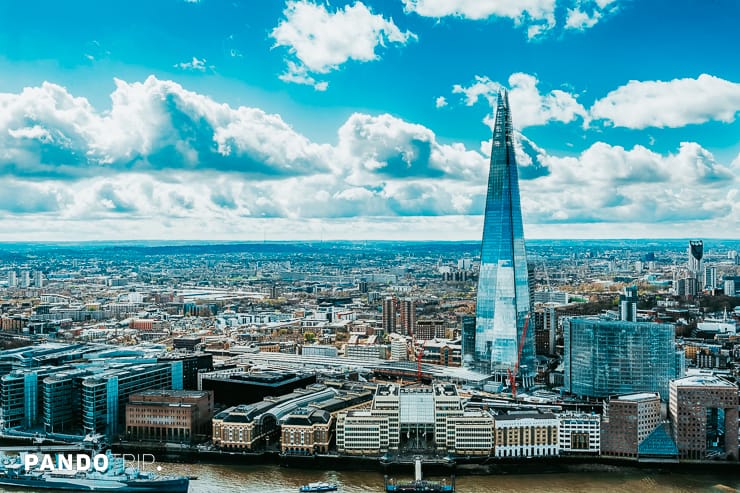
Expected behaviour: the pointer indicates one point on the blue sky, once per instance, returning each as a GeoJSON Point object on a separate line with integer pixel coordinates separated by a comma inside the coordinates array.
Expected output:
{"type": "Point", "coordinates": [241, 120]}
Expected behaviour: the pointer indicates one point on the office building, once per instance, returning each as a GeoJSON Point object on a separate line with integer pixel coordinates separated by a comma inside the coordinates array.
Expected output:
{"type": "Point", "coordinates": [104, 395]}
{"type": "Point", "coordinates": [710, 277]}
{"type": "Point", "coordinates": [246, 388]}
{"type": "Point", "coordinates": [604, 357]}
{"type": "Point", "coordinates": [177, 416]}
{"type": "Point", "coordinates": [405, 419]}
{"type": "Point", "coordinates": [526, 434]}
{"type": "Point", "coordinates": [12, 279]}
{"type": "Point", "coordinates": [628, 420]}
{"type": "Point", "coordinates": [703, 411]}
{"type": "Point", "coordinates": [319, 350]}
{"type": "Point", "coordinates": [192, 365]}
{"type": "Point", "coordinates": [628, 304]}
{"type": "Point", "coordinates": [503, 290]}
{"type": "Point", "coordinates": [467, 329]}
{"type": "Point", "coordinates": [579, 433]}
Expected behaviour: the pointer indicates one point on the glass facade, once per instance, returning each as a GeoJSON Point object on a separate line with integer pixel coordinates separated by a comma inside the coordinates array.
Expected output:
{"type": "Point", "coordinates": [605, 357]}
{"type": "Point", "coordinates": [503, 291]}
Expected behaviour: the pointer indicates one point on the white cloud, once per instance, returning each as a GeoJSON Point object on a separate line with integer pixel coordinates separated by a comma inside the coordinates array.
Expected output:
{"type": "Point", "coordinates": [541, 13]}
{"type": "Point", "coordinates": [538, 16]}
{"type": "Point", "coordinates": [532, 107]}
{"type": "Point", "coordinates": [616, 185]}
{"type": "Point", "coordinates": [195, 64]}
{"type": "Point", "coordinates": [167, 162]}
{"type": "Point", "coordinates": [440, 102]}
{"type": "Point", "coordinates": [321, 41]}
{"type": "Point", "coordinates": [299, 75]}
{"type": "Point", "coordinates": [675, 103]}
{"type": "Point", "coordinates": [578, 19]}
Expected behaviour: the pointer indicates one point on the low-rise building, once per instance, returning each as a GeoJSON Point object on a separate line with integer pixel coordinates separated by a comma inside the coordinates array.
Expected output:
{"type": "Point", "coordinates": [579, 433]}
{"type": "Point", "coordinates": [472, 433]}
{"type": "Point", "coordinates": [526, 434]}
{"type": "Point", "coordinates": [169, 416]}
{"type": "Point", "coordinates": [306, 431]}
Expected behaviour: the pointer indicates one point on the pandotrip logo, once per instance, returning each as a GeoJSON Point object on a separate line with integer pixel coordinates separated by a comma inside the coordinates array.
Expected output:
{"type": "Point", "coordinates": [85, 462]}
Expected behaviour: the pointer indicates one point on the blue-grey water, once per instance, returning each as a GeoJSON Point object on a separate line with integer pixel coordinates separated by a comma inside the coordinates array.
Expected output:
{"type": "Point", "coordinates": [274, 479]}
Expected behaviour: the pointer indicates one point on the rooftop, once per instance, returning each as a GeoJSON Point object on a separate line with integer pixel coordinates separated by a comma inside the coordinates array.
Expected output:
{"type": "Point", "coordinates": [703, 381]}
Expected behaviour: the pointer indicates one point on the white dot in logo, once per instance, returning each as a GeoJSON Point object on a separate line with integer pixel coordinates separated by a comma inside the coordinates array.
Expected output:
{"type": "Point", "coordinates": [159, 468]}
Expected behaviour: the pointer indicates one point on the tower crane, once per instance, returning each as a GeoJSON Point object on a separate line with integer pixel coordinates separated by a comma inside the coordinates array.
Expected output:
{"type": "Point", "coordinates": [419, 355]}
{"type": "Point", "coordinates": [513, 374]}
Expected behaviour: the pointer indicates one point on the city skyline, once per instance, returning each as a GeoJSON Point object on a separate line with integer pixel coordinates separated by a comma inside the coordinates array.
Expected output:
{"type": "Point", "coordinates": [191, 120]}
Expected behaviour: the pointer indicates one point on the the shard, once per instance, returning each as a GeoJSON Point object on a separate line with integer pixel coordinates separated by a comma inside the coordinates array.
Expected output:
{"type": "Point", "coordinates": [503, 293]}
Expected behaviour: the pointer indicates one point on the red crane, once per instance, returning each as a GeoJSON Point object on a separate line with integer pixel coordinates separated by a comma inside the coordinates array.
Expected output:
{"type": "Point", "coordinates": [513, 374]}
{"type": "Point", "coordinates": [419, 355]}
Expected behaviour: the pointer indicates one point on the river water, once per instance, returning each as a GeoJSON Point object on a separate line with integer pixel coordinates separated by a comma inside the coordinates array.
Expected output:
{"type": "Point", "coordinates": [274, 479]}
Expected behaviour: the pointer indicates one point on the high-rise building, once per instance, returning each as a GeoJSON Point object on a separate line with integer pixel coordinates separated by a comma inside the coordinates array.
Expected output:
{"type": "Point", "coordinates": [408, 316]}
{"type": "Point", "coordinates": [696, 252]}
{"type": "Point", "coordinates": [38, 279]}
{"type": "Point", "coordinates": [25, 279]}
{"type": "Point", "coordinates": [12, 279]}
{"type": "Point", "coordinates": [710, 277]}
{"type": "Point", "coordinates": [606, 357]}
{"type": "Point", "coordinates": [628, 304]}
{"type": "Point", "coordinates": [503, 288]}
{"type": "Point", "coordinates": [389, 315]}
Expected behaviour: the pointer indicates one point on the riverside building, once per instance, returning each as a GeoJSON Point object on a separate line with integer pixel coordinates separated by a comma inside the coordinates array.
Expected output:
{"type": "Point", "coordinates": [605, 357]}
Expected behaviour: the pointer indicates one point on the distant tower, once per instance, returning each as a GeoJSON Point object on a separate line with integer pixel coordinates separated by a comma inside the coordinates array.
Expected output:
{"type": "Point", "coordinates": [628, 304]}
{"type": "Point", "coordinates": [389, 315]}
{"type": "Point", "coordinates": [408, 316]}
{"type": "Point", "coordinates": [503, 290]}
{"type": "Point", "coordinates": [25, 279]}
{"type": "Point", "coordinates": [710, 277]}
{"type": "Point", "coordinates": [12, 279]}
{"type": "Point", "coordinates": [696, 252]}
{"type": "Point", "coordinates": [38, 279]}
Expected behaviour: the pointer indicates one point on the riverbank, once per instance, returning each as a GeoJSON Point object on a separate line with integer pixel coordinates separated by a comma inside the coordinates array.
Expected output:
{"type": "Point", "coordinates": [434, 465]}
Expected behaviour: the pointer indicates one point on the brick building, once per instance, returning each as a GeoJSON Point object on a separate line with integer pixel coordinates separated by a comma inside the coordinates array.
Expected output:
{"type": "Point", "coordinates": [169, 415]}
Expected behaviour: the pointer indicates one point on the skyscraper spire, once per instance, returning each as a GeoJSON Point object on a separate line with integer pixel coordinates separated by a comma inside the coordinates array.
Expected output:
{"type": "Point", "coordinates": [503, 293]}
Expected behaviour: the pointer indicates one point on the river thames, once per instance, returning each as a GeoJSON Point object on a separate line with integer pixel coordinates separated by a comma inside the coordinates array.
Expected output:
{"type": "Point", "coordinates": [220, 478]}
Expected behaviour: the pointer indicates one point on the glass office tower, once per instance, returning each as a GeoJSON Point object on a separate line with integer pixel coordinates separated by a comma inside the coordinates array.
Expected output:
{"type": "Point", "coordinates": [503, 292]}
{"type": "Point", "coordinates": [607, 357]}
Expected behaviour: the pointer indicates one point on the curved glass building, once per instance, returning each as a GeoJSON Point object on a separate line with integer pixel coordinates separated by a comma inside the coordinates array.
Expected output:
{"type": "Point", "coordinates": [503, 291]}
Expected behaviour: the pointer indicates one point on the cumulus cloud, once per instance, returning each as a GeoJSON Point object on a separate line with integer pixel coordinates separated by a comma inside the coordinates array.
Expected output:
{"type": "Point", "coordinates": [675, 103]}
{"type": "Point", "coordinates": [183, 164]}
{"type": "Point", "coordinates": [617, 185]}
{"type": "Point", "coordinates": [321, 41]}
{"type": "Point", "coordinates": [532, 107]}
{"type": "Point", "coordinates": [635, 105]}
{"type": "Point", "coordinates": [440, 102]}
{"type": "Point", "coordinates": [537, 16]}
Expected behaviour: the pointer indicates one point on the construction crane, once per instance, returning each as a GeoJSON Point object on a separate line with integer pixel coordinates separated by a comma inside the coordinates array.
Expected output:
{"type": "Point", "coordinates": [419, 355]}
{"type": "Point", "coordinates": [513, 374]}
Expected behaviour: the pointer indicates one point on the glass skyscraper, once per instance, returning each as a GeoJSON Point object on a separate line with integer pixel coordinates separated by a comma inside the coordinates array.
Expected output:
{"type": "Point", "coordinates": [503, 291]}
{"type": "Point", "coordinates": [607, 357]}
